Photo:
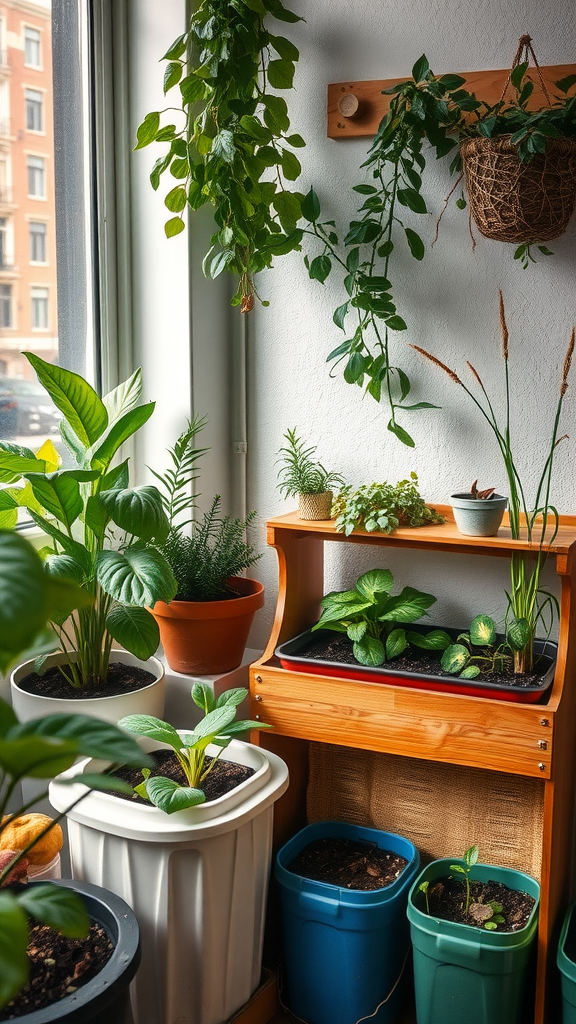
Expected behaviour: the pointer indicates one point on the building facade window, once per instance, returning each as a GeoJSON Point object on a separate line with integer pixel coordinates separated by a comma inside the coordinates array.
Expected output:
{"type": "Point", "coordinates": [36, 176]}
{"type": "Point", "coordinates": [37, 242]}
{"type": "Point", "coordinates": [39, 309]}
{"type": "Point", "coordinates": [32, 47]}
{"type": "Point", "coordinates": [5, 305]}
{"type": "Point", "coordinates": [3, 242]}
{"type": "Point", "coordinates": [34, 120]}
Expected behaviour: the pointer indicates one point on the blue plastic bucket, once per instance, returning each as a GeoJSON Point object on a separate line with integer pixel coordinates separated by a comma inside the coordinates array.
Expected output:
{"type": "Point", "coordinates": [344, 950]}
{"type": "Point", "coordinates": [566, 961]}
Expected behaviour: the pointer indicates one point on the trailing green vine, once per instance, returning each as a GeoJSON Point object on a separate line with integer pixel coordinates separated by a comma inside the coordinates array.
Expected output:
{"type": "Point", "coordinates": [233, 146]}
{"type": "Point", "coordinates": [424, 109]}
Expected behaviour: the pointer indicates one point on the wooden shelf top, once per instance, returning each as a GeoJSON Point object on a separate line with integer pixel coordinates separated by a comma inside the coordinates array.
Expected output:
{"type": "Point", "coordinates": [446, 536]}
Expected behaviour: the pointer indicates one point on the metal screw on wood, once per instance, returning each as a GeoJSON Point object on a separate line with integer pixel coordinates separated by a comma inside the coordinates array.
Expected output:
{"type": "Point", "coordinates": [257, 717]}
{"type": "Point", "coordinates": [258, 679]}
{"type": "Point", "coordinates": [544, 721]}
{"type": "Point", "coordinates": [541, 764]}
{"type": "Point", "coordinates": [257, 697]}
{"type": "Point", "coordinates": [541, 743]}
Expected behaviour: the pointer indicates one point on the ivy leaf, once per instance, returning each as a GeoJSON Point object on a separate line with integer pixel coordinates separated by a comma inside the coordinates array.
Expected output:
{"type": "Point", "coordinates": [412, 199]}
{"type": "Point", "coordinates": [311, 206]}
{"type": "Point", "coordinates": [291, 166]}
{"type": "Point", "coordinates": [340, 315]}
{"type": "Point", "coordinates": [146, 132]}
{"type": "Point", "coordinates": [401, 434]}
{"type": "Point", "coordinates": [320, 267]}
{"type": "Point", "coordinates": [420, 69]}
{"type": "Point", "coordinates": [176, 199]}
{"type": "Point", "coordinates": [288, 209]}
{"type": "Point", "coordinates": [396, 323]}
{"type": "Point", "coordinates": [295, 140]}
{"type": "Point", "coordinates": [173, 227]}
{"type": "Point", "coordinates": [284, 48]}
{"type": "Point", "coordinates": [223, 145]}
{"type": "Point", "coordinates": [172, 75]}
{"type": "Point", "coordinates": [416, 244]}
{"type": "Point", "coordinates": [281, 74]}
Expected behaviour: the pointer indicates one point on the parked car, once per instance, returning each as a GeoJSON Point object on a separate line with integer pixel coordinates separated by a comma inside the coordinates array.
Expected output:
{"type": "Point", "coordinates": [8, 414]}
{"type": "Point", "coordinates": [35, 413]}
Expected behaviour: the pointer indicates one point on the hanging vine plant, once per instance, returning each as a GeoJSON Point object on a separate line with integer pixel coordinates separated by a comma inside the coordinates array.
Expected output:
{"type": "Point", "coordinates": [232, 147]}
{"type": "Point", "coordinates": [440, 113]}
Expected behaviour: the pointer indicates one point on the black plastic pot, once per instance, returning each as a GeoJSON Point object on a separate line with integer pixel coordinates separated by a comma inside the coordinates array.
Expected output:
{"type": "Point", "coordinates": [103, 1000]}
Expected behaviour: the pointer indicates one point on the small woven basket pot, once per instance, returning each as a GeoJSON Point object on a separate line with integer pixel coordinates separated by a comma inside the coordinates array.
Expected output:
{"type": "Point", "coordinates": [315, 506]}
{"type": "Point", "coordinates": [512, 201]}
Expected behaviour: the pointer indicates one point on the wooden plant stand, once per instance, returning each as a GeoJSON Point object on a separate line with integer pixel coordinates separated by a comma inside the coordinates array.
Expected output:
{"type": "Point", "coordinates": [533, 741]}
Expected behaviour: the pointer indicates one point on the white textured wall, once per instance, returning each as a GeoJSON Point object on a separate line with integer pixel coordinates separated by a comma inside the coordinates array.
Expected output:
{"type": "Point", "coordinates": [449, 302]}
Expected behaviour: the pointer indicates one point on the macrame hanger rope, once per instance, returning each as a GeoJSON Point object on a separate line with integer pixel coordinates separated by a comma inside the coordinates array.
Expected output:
{"type": "Point", "coordinates": [526, 50]}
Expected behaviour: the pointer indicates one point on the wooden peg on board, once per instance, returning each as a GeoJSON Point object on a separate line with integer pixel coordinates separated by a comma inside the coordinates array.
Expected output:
{"type": "Point", "coordinates": [356, 109]}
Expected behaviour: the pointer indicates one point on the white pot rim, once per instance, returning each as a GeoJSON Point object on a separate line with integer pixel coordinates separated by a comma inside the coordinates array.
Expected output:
{"type": "Point", "coordinates": [107, 813]}
{"type": "Point", "coordinates": [26, 667]}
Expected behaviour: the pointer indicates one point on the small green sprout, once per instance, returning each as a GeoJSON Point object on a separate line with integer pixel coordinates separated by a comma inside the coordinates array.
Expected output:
{"type": "Point", "coordinates": [423, 887]}
{"type": "Point", "coordinates": [470, 858]}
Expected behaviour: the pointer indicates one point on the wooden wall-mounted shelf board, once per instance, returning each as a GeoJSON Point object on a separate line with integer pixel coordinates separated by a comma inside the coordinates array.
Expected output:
{"type": "Point", "coordinates": [372, 105]}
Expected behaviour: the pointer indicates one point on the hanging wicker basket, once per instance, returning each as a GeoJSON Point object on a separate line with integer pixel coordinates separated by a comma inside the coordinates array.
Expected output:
{"type": "Point", "coordinates": [512, 201]}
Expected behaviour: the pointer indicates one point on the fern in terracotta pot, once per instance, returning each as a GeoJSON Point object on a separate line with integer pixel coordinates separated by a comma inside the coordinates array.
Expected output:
{"type": "Point", "coordinates": [204, 630]}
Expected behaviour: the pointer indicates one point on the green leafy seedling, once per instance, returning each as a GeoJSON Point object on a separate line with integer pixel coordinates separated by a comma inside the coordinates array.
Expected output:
{"type": "Point", "coordinates": [470, 859]}
{"type": "Point", "coordinates": [423, 887]}
{"type": "Point", "coordinates": [218, 727]}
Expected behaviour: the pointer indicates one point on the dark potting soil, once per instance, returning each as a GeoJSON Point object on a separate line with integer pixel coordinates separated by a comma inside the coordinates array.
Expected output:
{"type": "Point", "coordinates": [225, 776]}
{"type": "Point", "coordinates": [447, 900]}
{"type": "Point", "coordinates": [58, 966]}
{"type": "Point", "coordinates": [338, 648]}
{"type": "Point", "coordinates": [121, 679]}
{"type": "Point", "coordinates": [348, 863]}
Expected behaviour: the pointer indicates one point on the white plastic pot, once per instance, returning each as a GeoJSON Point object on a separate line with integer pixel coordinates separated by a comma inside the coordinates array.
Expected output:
{"type": "Point", "coordinates": [149, 700]}
{"type": "Point", "coordinates": [197, 881]}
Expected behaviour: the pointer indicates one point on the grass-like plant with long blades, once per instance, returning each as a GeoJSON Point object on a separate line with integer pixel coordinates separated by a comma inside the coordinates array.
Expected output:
{"type": "Point", "coordinates": [529, 603]}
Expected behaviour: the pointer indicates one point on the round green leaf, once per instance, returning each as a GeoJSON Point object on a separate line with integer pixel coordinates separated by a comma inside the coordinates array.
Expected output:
{"type": "Point", "coordinates": [135, 629]}
{"type": "Point", "coordinates": [138, 511]}
{"type": "Point", "coordinates": [369, 651]}
{"type": "Point", "coordinates": [482, 631]}
{"type": "Point", "coordinates": [377, 581]}
{"type": "Point", "coordinates": [454, 659]}
{"type": "Point", "coordinates": [170, 797]}
{"type": "Point", "coordinates": [137, 575]}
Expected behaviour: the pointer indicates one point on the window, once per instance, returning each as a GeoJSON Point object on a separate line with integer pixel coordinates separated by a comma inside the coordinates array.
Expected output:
{"type": "Point", "coordinates": [39, 309]}
{"type": "Point", "coordinates": [5, 305]}
{"type": "Point", "coordinates": [32, 51]}
{"type": "Point", "coordinates": [37, 242]}
{"type": "Point", "coordinates": [3, 241]}
{"type": "Point", "coordinates": [33, 110]}
{"type": "Point", "coordinates": [36, 176]}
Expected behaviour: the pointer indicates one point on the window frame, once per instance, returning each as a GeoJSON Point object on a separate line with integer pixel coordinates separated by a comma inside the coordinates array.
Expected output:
{"type": "Point", "coordinates": [34, 106]}
{"type": "Point", "coordinates": [44, 299]}
{"type": "Point", "coordinates": [33, 236]}
{"type": "Point", "coordinates": [33, 28]}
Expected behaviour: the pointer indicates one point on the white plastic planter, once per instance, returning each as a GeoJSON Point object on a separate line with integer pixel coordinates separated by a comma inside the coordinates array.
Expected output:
{"type": "Point", "coordinates": [197, 881]}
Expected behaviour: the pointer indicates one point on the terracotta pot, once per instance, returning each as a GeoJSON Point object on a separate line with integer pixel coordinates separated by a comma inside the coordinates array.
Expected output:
{"type": "Point", "coordinates": [315, 506]}
{"type": "Point", "coordinates": [208, 637]}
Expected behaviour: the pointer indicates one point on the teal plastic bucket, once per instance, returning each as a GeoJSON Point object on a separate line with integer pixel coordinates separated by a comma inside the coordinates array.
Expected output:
{"type": "Point", "coordinates": [344, 950]}
{"type": "Point", "coordinates": [467, 975]}
{"type": "Point", "coordinates": [566, 960]}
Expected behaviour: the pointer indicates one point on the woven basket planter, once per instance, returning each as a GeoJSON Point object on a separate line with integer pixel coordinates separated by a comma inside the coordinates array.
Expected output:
{"type": "Point", "coordinates": [517, 202]}
{"type": "Point", "coordinates": [315, 506]}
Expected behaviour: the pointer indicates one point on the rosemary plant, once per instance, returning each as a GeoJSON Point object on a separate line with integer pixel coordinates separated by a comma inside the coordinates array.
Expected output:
{"type": "Point", "coordinates": [528, 602]}
{"type": "Point", "coordinates": [299, 471]}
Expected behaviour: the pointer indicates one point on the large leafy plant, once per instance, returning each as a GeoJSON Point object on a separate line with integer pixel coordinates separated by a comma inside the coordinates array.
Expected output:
{"type": "Point", "coordinates": [232, 145]}
{"type": "Point", "coordinates": [529, 603]}
{"type": "Point", "coordinates": [373, 618]}
{"type": "Point", "coordinates": [218, 727]}
{"type": "Point", "coordinates": [39, 749]}
{"type": "Point", "coordinates": [427, 114]}
{"type": "Point", "coordinates": [100, 531]}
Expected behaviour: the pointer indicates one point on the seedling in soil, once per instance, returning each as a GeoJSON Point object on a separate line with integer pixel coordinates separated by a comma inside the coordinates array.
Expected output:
{"type": "Point", "coordinates": [470, 858]}
{"type": "Point", "coordinates": [424, 888]}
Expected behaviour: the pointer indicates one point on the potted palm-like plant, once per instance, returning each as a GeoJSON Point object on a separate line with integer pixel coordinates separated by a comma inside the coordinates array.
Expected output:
{"type": "Point", "coordinates": [205, 629]}
{"type": "Point", "coordinates": [303, 477]}
{"type": "Point", "coordinates": [99, 534]}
